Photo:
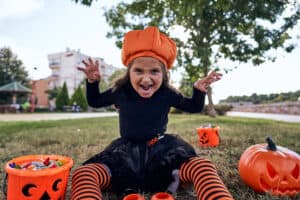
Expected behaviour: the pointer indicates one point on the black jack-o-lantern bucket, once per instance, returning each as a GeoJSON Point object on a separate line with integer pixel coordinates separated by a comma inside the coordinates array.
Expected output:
{"type": "Point", "coordinates": [43, 184]}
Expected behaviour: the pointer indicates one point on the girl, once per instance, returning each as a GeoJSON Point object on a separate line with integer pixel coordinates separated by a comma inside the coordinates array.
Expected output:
{"type": "Point", "coordinates": [145, 153]}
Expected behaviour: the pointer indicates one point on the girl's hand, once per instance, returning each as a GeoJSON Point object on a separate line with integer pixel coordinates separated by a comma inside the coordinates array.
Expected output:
{"type": "Point", "coordinates": [204, 83]}
{"type": "Point", "coordinates": [91, 70]}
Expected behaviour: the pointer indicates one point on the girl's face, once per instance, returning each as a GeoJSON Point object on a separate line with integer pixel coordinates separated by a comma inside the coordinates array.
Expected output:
{"type": "Point", "coordinates": [146, 76]}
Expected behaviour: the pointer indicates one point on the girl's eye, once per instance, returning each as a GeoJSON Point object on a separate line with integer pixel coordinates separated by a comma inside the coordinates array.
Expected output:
{"type": "Point", "coordinates": [137, 70]}
{"type": "Point", "coordinates": [155, 71]}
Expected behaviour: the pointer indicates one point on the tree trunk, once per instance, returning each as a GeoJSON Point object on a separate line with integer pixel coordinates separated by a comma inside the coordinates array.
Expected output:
{"type": "Point", "coordinates": [211, 109]}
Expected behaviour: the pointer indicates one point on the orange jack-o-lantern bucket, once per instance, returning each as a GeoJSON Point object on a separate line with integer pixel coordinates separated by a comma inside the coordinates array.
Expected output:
{"type": "Point", "coordinates": [162, 196]}
{"type": "Point", "coordinates": [37, 184]}
{"type": "Point", "coordinates": [208, 136]}
{"type": "Point", "coordinates": [134, 196]}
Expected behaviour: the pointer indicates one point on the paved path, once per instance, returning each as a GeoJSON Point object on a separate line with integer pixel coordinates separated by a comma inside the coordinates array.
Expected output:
{"type": "Point", "coordinates": [58, 116]}
{"type": "Point", "coordinates": [52, 116]}
{"type": "Point", "coordinates": [278, 117]}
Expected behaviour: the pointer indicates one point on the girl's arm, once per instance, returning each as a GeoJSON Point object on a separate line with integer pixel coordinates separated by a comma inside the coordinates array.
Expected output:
{"type": "Point", "coordinates": [94, 97]}
{"type": "Point", "coordinates": [196, 103]}
{"type": "Point", "coordinates": [204, 83]}
{"type": "Point", "coordinates": [97, 99]}
{"type": "Point", "coordinates": [191, 105]}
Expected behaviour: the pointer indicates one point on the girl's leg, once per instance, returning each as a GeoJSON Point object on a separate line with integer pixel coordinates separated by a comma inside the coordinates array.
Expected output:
{"type": "Point", "coordinates": [207, 183]}
{"type": "Point", "coordinates": [87, 181]}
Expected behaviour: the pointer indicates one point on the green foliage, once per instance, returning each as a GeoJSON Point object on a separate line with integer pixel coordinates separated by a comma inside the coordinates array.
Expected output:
{"type": "Point", "coordinates": [52, 94]}
{"type": "Point", "coordinates": [116, 75]}
{"type": "Point", "coordinates": [11, 69]}
{"type": "Point", "coordinates": [79, 98]}
{"type": "Point", "coordinates": [186, 85]}
{"type": "Point", "coordinates": [239, 31]}
{"type": "Point", "coordinates": [62, 98]}
{"type": "Point", "coordinates": [264, 98]}
{"type": "Point", "coordinates": [233, 30]}
{"type": "Point", "coordinates": [104, 85]}
{"type": "Point", "coordinates": [84, 2]}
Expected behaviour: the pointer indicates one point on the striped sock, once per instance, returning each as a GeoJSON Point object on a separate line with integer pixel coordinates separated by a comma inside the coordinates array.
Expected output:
{"type": "Point", "coordinates": [87, 181]}
{"type": "Point", "coordinates": [207, 183]}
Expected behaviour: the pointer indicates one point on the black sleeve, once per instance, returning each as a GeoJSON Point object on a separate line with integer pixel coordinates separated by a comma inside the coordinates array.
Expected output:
{"type": "Point", "coordinates": [95, 98]}
{"type": "Point", "coordinates": [191, 105]}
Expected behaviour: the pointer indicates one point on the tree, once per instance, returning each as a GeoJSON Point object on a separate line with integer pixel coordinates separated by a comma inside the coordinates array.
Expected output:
{"type": "Point", "coordinates": [105, 84]}
{"type": "Point", "coordinates": [118, 73]}
{"type": "Point", "coordinates": [11, 69]}
{"type": "Point", "coordinates": [79, 98]}
{"type": "Point", "coordinates": [186, 86]}
{"type": "Point", "coordinates": [62, 98]}
{"type": "Point", "coordinates": [239, 31]}
{"type": "Point", "coordinates": [52, 93]}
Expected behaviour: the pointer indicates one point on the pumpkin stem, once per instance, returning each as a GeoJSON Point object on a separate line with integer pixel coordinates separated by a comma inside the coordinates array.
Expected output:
{"type": "Point", "coordinates": [271, 145]}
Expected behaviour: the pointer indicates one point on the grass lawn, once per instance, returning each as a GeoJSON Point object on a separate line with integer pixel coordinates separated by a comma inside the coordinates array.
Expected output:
{"type": "Point", "coordinates": [82, 138]}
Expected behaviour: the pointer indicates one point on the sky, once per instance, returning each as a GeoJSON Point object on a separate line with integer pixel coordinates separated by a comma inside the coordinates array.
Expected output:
{"type": "Point", "coordinates": [35, 28]}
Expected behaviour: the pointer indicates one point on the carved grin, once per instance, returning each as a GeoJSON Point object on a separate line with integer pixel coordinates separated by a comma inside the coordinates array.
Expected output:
{"type": "Point", "coordinates": [286, 191]}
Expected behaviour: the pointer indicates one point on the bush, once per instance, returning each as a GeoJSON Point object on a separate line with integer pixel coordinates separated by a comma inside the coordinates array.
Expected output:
{"type": "Point", "coordinates": [221, 109]}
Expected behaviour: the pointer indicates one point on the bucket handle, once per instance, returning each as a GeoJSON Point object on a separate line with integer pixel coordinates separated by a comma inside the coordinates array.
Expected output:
{"type": "Point", "coordinates": [4, 186]}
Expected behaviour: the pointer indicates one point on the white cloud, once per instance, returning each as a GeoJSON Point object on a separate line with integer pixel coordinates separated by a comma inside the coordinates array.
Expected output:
{"type": "Point", "coordinates": [12, 8]}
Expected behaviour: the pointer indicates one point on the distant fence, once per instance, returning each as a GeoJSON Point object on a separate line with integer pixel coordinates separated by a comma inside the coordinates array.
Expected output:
{"type": "Point", "coordinates": [292, 108]}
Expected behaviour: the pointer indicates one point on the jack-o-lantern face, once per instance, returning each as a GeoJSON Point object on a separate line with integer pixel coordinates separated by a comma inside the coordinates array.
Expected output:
{"type": "Point", "coordinates": [275, 170]}
{"type": "Point", "coordinates": [286, 180]}
{"type": "Point", "coordinates": [208, 136]}
{"type": "Point", "coordinates": [204, 139]}
{"type": "Point", "coordinates": [30, 190]}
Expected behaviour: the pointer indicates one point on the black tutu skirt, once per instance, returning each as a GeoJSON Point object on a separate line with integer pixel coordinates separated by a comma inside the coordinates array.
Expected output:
{"type": "Point", "coordinates": [143, 167]}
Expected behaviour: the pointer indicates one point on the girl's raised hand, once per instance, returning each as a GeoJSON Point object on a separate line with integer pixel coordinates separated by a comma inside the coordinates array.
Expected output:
{"type": "Point", "coordinates": [204, 83]}
{"type": "Point", "coordinates": [91, 70]}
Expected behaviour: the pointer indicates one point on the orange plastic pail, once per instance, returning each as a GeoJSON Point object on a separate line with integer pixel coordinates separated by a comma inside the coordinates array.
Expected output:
{"type": "Point", "coordinates": [134, 196]}
{"type": "Point", "coordinates": [162, 196]}
{"type": "Point", "coordinates": [45, 184]}
{"type": "Point", "coordinates": [208, 136]}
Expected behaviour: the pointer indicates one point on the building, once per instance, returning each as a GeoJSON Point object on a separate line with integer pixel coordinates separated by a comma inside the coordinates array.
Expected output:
{"type": "Point", "coordinates": [41, 86]}
{"type": "Point", "coordinates": [64, 69]}
{"type": "Point", "coordinates": [63, 66]}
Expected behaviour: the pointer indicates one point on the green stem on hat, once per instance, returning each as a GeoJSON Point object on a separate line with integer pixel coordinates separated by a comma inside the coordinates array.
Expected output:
{"type": "Point", "coordinates": [271, 145]}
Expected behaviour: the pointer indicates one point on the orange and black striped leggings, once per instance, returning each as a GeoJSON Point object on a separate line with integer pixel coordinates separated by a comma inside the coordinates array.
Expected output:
{"type": "Point", "coordinates": [207, 183]}
{"type": "Point", "coordinates": [88, 180]}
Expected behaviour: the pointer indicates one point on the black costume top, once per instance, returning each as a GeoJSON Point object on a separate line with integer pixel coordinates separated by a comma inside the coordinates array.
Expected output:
{"type": "Point", "coordinates": [141, 119]}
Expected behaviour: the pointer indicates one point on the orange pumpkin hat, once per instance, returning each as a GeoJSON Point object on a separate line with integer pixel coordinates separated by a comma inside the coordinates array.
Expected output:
{"type": "Point", "coordinates": [148, 43]}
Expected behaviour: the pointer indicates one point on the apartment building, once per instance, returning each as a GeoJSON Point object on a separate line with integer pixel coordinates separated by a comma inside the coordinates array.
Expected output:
{"type": "Point", "coordinates": [63, 69]}
{"type": "Point", "coordinates": [63, 66]}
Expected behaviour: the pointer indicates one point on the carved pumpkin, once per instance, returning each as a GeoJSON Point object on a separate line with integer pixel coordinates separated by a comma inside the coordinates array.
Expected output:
{"type": "Point", "coordinates": [208, 136]}
{"type": "Point", "coordinates": [45, 184]}
{"type": "Point", "coordinates": [271, 168]}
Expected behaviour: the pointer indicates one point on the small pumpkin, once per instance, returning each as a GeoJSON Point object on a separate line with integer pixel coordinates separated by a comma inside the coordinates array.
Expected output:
{"type": "Point", "coordinates": [271, 168]}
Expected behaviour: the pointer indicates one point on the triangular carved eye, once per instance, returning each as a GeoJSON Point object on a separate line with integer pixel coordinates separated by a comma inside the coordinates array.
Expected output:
{"type": "Point", "coordinates": [295, 172]}
{"type": "Point", "coordinates": [271, 171]}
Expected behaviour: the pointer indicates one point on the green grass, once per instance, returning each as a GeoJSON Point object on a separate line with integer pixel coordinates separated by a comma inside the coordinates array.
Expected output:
{"type": "Point", "coordinates": [82, 138]}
